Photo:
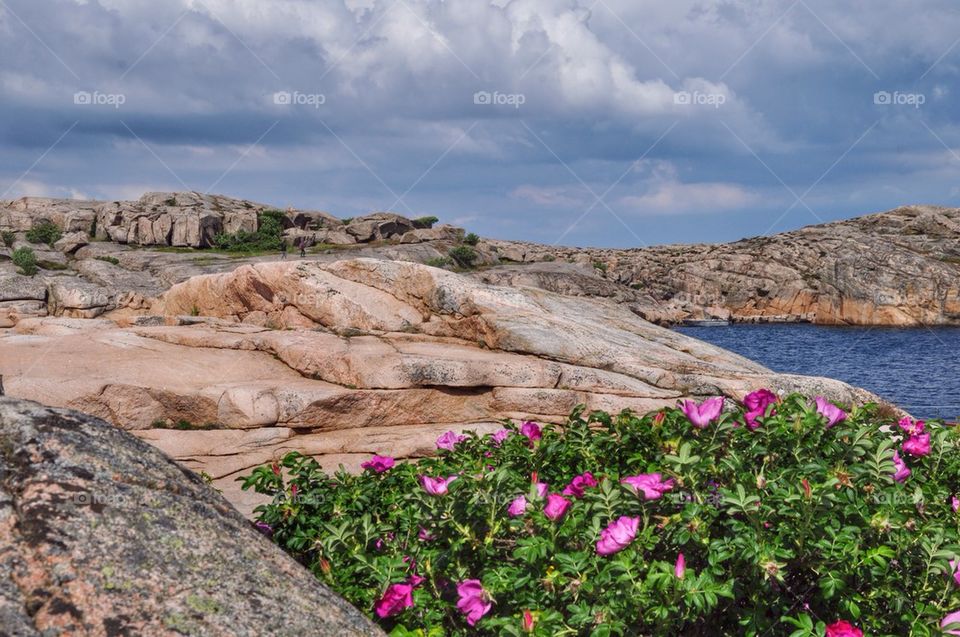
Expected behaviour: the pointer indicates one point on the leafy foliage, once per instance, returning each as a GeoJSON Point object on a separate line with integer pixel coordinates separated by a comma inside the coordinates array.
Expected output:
{"type": "Point", "coordinates": [471, 239]}
{"type": "Point", "coordinates": [784, 528]}
{"type": "Point", "coordinates": [44, 232]}
{"type": "Point", "coordinates": [464, 256]}
{"type": "Point", "coordinates": [425, 222]}
{"type": "Point", "coordinates": [438, 262]}
{"type": "Point", "coordinates": [268, 236]}
{"type": "Point", "coordinates": [8, 238]}
{"type": "Point", "coordinates": [26, 260]}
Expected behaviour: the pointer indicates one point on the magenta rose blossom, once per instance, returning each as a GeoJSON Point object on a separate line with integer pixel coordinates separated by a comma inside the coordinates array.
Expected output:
{"type": "Point", "coordinates": [474, 601]}
{"type": "Point", "coordinates": [436, 486]}
{"type": "Point", "coordinates": [650, 484]}
{"type": "Point", "coordinates": [556, 507]}
{"type": "Point", "coordinates": [542, 489]}
{"type": "Point", "coordinates": [517, 507]}
{"type": "Point", "coordinates": [379, 464]}
{"type": "Point", "coordinates": [531, 430]}
{"type": "Point", "coordinates": [902, 470]}
{"type": "Point", "coordinates": [756, 403]}
{"type": "Point", "coordinates": [912, 427]}
{"type": "Point", "coordinates": [579, 483]}
{"type": "Point", "coordinates": [396, 599]}
{"type": "Point", "coordinates": [449, 440]}
{"type": "Point", "coordinates": [424, 535]}
{"type": "Point", "coordinates": [918, 445]}
{"type": "Point", "coordinates": [499, 436]}
{"type": "Point", "coordinates": [680, 568]}
{"type": "Point", "coordinates": [828, 410]}
{"type": "Point", "coordinates": [700, 416]}
{"type": "Point", "coordinates": [618, 535]}
{"type": "Point", "coordinates": [843, 629]}
{"type": "Point", "coordinates": [952, 618]}
{"type": "Point", "coordinates": [955, 504]}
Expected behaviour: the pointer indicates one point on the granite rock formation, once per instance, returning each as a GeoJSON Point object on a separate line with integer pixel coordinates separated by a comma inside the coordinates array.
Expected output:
{"type": "Point", "coordinates": [900, 267]}
{"type": "Point", "coordinates": [348, 358]}
{"type": "Point", "coordinates": [102, 535]}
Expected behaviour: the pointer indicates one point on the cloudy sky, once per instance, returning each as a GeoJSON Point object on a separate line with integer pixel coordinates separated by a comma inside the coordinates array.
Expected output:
{"type": "Point", "coordinates": [584, 122]}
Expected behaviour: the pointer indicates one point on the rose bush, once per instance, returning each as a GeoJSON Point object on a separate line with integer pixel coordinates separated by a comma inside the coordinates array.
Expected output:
{"type": "Point", "coordinates": [777, 516]}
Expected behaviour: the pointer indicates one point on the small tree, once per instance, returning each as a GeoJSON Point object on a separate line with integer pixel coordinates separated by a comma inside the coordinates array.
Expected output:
{"type": "Point", "coordinates": [464, 256]}
{"type": "Point", "coordinates": [24, 259]}
{"type": "Point", "coordinates": [44, 232]}
{"type": "Point", "coordinates": [471, 239]}
{"type": "Point", "coordinates": [425, 222]}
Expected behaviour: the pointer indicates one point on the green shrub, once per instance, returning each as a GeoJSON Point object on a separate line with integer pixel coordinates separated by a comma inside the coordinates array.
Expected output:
{"type": "Point", "coordinates": [438, 262]}
{"type": "Point", "coordinates": [108, 259]}
{"type": "Point", "coordinates": [464, 256]}
{"type": "Point", "coordinates": [471, 239]}
{"type": "Point", "coordinates": [784, 523]}
{"type": "Point", "coordinates": [268, 236]}
{"type": "Point", "coordinates": [26, 260]}
{"type": "Point", "coordinates": [44, 232]}
{"type": "Point", "coordinates": [425, 222]}
{"type": "Point", "coordinates": [8, 238]}
{"type": "Point", "coordinates": [600, 265]}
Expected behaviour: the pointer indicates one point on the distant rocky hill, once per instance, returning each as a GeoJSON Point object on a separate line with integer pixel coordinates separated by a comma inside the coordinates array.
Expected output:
{"type": "Point", "coordinates": [894, 268]}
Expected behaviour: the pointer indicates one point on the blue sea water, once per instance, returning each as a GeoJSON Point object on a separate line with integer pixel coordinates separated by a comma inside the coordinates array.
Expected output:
{"type": "Point", "coordinates": [918, 369]}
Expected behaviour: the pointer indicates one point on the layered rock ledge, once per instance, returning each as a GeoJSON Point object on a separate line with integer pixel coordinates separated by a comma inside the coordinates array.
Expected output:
{"type": "Point", "coordinates": [344, 359]}
{"type": "Point", "coordinates": [102, 535]}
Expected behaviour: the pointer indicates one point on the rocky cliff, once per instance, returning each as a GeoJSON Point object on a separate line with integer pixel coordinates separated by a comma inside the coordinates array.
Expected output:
{"type": "Point", "coordinates": [102, 535]}
{"type": "Point", "coordinates": [344, 359]}
{"type": "Point", "coordinates": [895, 268]}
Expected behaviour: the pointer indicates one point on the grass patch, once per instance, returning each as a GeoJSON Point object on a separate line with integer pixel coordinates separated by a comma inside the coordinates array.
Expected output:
{"type": "Point", "coordinates": [26, 260]}
{"type": "Point", "coordinates": [113, 260]}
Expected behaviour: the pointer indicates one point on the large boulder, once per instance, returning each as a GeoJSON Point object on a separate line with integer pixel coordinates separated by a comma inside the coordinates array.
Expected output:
{"type": "Point", "coordinates": [101, 534]}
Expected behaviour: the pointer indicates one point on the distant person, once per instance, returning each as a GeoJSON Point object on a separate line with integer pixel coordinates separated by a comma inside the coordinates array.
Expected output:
{"type": "Point", "coordinates": [303, 247]}
{"type": "Point", "coordinates": [283, 250]}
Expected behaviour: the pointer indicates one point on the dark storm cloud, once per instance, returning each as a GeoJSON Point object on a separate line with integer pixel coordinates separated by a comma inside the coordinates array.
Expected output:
{"type": "Point", "coordinates": [692, 120]}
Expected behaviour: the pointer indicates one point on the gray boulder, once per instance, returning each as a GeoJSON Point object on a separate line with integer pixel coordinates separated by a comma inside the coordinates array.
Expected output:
{"type": "Point", "coordinates": [101, 534]}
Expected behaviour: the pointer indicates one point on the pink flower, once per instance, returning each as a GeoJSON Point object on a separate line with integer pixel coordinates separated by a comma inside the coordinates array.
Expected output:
{"type": "Point", "coordinates": [556, 506]}
{"type": "Point", "coordinates": [579, 483]}
{"type": "Point", "coordinates": [918, 445]}
{"type": "Point", "coordinates": [903, 471]}
{"type": "Point", "coordinates": [843, 629]}
{"type": "Point", "coordinates": [680, 568]}
{"type": "Point", "coordinates": [474, 601]}
{"type": "Point", "coordinates": [436, 486]}
{"type": "Point", "coordinates": [395, 599]}
{"type": "Point", "coordinates": [449, 440]}
{"type": "Point", "coordinates": [955, 569]}
{"type": "Point", "coordinates": [542, 489]}
{"type": "Point", "coordinates": [517, 507]}
{"type": "Point", "coordinates": [379, 464]}
{"type": "Point", "coordinates": [499, 436]}
{"type": "Point", "coordinates": [416, 580]}
{"type": "Point", "coordinates": [618, 535]}
{"type": "Point", "coordinates": [529, 621]}
{"type": "Point", "coordinates": [955, 503]}
{"type": "Point", "coordinates": [650, 484]}
{"type": "Point", "coordinates": [911, 426]}
{"type": "Point", "coordinates": [531, 430]}
{"type": "Point", "coordinates": [828, 410]}
{"type": "Point", "coordinates": [424, 535]}
{"type": "Point", "coordinates": [756, 403]}
{"type": "Point", "coordinates": [952, 618]}
{"type": "Point", "coordinates": [703, 414]}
